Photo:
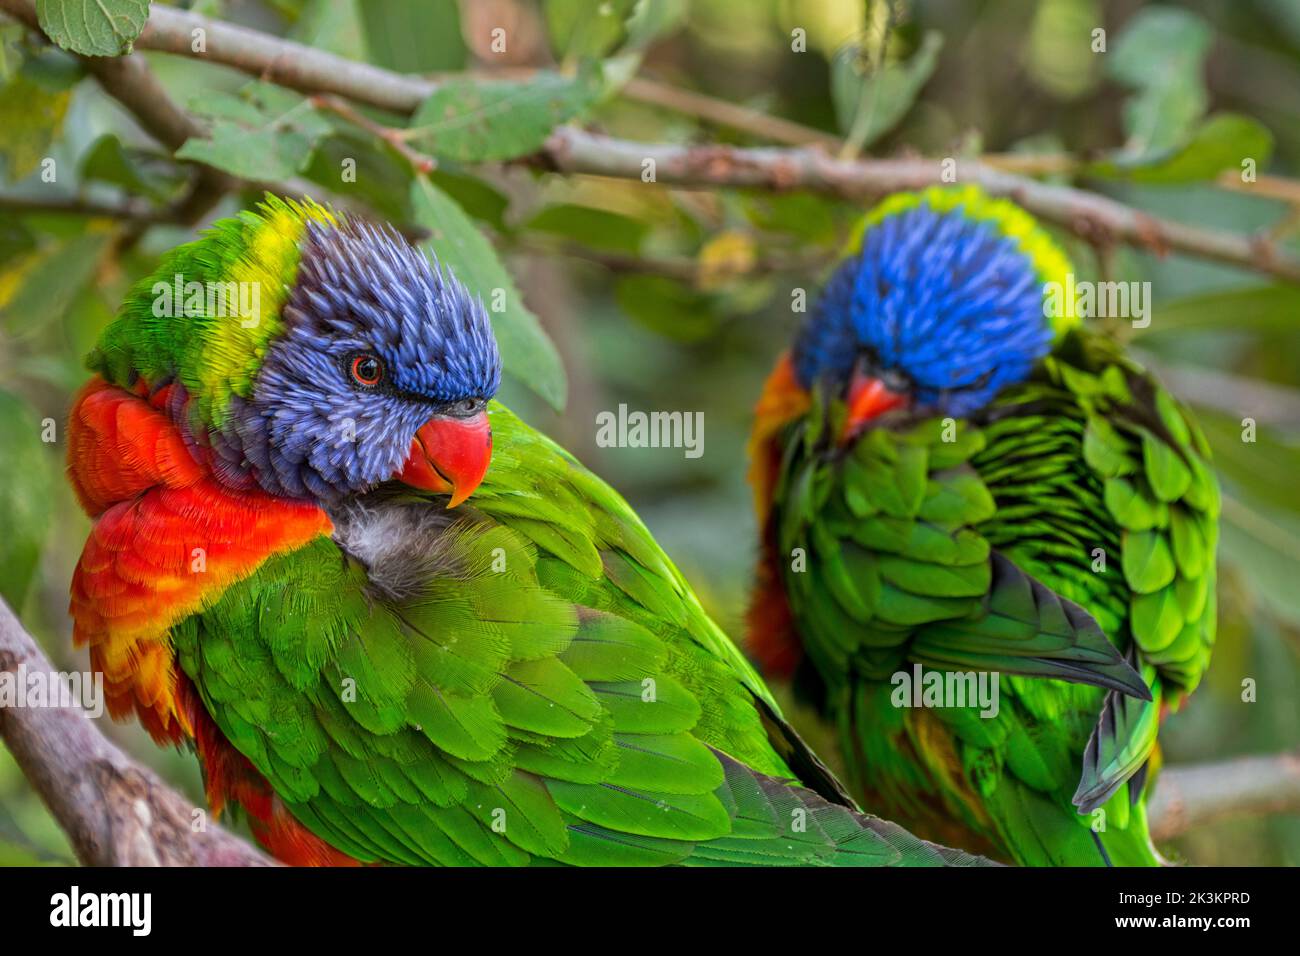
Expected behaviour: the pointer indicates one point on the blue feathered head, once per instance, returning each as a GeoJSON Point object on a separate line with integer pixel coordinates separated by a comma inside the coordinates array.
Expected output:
{"type": "Point", "coordinates": [382, 368]}
{"type": "Point", "coordinates": [941, 299]}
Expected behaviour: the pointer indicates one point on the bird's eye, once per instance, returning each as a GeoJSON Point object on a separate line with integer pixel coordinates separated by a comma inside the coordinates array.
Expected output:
{"type": "Point", "coordinates": [366, 370]}
{"type": "Point", "coordinates": [466, 407]}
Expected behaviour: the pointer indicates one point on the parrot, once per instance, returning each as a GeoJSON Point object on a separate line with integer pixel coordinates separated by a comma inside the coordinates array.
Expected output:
{"type": "Point", "coordinates": [951, 473]}
{"type": "Point", "coordinates": [395, 624]}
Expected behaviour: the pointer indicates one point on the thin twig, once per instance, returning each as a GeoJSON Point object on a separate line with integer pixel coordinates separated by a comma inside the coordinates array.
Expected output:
{"type": "Point", "coordinates": [719, 112]}
{"type": "Point", "coordinates": [421, 163]}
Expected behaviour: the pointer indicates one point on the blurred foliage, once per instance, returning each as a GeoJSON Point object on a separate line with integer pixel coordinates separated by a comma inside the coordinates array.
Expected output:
{"type": "Point", "coordinates": [680, 299]}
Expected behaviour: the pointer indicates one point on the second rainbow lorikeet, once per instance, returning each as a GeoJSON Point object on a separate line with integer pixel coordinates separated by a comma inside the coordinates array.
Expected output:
{"type": "Point", "coordinates": [287, 573]}
{"type": "Point", "coordinates": [951, 472]}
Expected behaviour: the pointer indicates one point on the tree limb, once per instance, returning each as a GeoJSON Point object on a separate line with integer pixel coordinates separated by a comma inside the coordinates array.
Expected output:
{"type": "Point", "coordinates": [1091, 215]}
{"type": "Point", "coordinates": [114, 811]}
{"type": "Point", "coordinates": [571, 150]}
{"type": "Point", "coordinates": [1189, 797]}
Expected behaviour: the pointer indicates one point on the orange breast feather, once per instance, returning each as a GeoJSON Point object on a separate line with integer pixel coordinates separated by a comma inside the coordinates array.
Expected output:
{"type": "Point", "coordinates": [167, 540]}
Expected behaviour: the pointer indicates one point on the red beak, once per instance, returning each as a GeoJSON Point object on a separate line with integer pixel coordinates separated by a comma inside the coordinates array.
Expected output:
{"type": "Point", "coordinates": [449, 455]}
{"type": "Point", "coordinates": [867, 398]}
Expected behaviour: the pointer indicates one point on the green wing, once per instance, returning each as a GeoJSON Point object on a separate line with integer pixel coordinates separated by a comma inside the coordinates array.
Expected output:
{"type": "Point", "coordinates": [1149, 474]}
{"type": "Point", "coordinates": [898, 568]}
{"type": "Point", "coordinates": [526, 680]}
{"type": "Point", "coordinates": [1068, 533]}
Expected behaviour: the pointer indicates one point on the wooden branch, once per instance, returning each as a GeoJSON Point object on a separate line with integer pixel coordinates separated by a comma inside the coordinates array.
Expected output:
{"type": "Point", "coordinates": [1096, 217]}
{"type": "Point", "coordinates": [1090, 215]}
{"type": "Point", "coordinates": [114, 811]}
{"type": "Point", "coordinates": [1189, 797]}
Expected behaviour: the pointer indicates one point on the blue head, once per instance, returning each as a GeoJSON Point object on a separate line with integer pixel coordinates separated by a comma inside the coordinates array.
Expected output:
{"type": "Point", "coordinates": [942, 304]}
{"type": "Point", "coordinates": [382, 369]}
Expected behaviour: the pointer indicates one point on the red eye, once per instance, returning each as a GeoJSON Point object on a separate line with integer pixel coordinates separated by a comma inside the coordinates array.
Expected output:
{"type": "Point", "coordinates": [367, 370]}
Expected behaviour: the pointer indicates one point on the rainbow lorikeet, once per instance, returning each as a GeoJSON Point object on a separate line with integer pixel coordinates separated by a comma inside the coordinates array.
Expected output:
{"type": "Point", "coordinates": [285, 574]}
{"type": "Point", "coordinates": [952, 474]}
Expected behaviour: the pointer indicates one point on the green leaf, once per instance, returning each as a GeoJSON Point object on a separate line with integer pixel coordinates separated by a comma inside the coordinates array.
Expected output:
{"type": "Point", "coordinates": [870, 106]}
{"type": "Point", "coordinates": [1161, 54]}
{"type": "Point", "coordinates": [587, 28]}
{"type": "Point", "coordinates": [596, 228]}
{"type": "Point", "coordinates": [32, 117]}
{"type": "Point", "coordinates": [1263, 471]}
{"type": "Point", "coordinates": [1265, 308]}
{"type": "Point", "coordinates": [412, 36]}
{"type": "Point", "coordinates": [24, 512]}
{"type": "Point", "coordinates": [139, 174]}
{"type": "Point", "coordinates": [527, 353]}
{"type": "Point", "coordinates": [1222, 142]}
{"type": "Point", "coordinates": [1264, 544]}
{"type": "Point", "coordinates": [666, 306]}
{"type": "Point", "coordinates": [93, 27]}
{"type": "Point", "coordinates": [261, 133]}
{"type": "Point", "coordinates": [53, 282]}
{"type": "Point", "coordinates": [473, 120]}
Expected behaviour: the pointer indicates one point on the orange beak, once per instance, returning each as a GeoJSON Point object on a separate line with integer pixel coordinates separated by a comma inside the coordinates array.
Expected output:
{"type": "Point", "coordinates": [449, 455]}
{"type": "Point", "coordinates": [867, 398]}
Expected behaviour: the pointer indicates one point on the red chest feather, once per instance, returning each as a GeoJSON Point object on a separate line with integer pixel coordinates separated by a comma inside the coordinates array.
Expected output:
{"type": "Point", "coordinates": [167, 539]}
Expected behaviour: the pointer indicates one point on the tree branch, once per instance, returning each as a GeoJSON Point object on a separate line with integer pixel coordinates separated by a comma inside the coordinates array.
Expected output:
{"type": "Point", "coordinates": [114, 811]}
{"type": "Point", "coordinates": [1091, 215]}
{"type": "Point", "coordinates": [1189, 797]}
{"type": "Point", "coordinates": [571, 150]}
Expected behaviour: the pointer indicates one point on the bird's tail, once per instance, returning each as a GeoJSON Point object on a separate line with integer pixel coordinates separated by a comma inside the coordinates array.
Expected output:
{"type": "Point", "coordinates": [782, 825]}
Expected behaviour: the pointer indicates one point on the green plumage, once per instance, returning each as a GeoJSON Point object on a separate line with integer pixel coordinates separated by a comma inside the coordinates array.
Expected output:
{"type": "Point", "coordinates": [526, 679]}
{"type": "Point", "coordinates": [1070, 523]}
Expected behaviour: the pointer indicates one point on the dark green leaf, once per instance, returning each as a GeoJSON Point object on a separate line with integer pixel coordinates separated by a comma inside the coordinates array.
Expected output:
{"type": "Point", "coordinates": [596, 228]}
{"type": "Point", "coordinates": [413, 36]}
{"type": "Point", "coordinates": [1221, 143]}
{"type": "Point", "coordinates": [262, 133]}
{"type": "Point", "coordinates": [870, 106]}
{"type": "Point", "coordinates": [32, 118]}
{"type": "Point", "coordinates": [93, 27]}
{"type": "Point", "coordinates": [473, 120]}
{"type": "Point", "coordinates": [1266, 308]}
{"type": "Point", "coordinates": [1160, 54]}
{"type": "Point", "coordinates": [666, 306]}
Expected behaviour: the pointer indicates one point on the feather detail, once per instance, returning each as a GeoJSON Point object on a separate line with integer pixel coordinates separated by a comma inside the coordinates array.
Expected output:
{"type": "Point", "coordinates": [166, 540]}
